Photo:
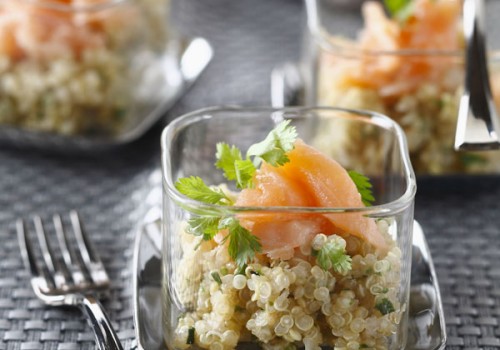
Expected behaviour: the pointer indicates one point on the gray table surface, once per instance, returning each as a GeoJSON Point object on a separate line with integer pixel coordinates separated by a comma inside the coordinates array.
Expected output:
{"type": "Point", "coordinates": [460, 216]}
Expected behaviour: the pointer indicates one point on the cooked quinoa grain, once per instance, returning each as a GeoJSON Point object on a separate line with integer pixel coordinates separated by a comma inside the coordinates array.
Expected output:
{"type": "Point", "coordinates": [77, 72]}
{"type": "Point", "coordinates": [286, 304]}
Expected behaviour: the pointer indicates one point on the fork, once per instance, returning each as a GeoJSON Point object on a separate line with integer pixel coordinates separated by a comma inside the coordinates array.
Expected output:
{"type": "Point", "coordinates": [75, 280]}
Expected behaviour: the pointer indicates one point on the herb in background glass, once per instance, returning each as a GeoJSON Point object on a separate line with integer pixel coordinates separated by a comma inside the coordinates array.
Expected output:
{"type": "Point", "coordinates": [399, 9]}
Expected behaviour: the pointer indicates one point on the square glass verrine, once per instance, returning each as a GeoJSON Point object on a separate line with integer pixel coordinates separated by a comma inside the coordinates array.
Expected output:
{"type": "Point", "coordinates": [89, 68]}
{"type": "Point", "coordinates": [286, 295]}
{"type": "Point", "coordinates": [408, 66]}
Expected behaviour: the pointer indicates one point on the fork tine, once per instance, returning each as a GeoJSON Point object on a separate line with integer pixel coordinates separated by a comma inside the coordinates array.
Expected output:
{"type": "Point", "coordinates": [27, 249]}
{"type": "Point", "coordinates": [90, 258]}
{"type": "Point", "coordinates": [67, 252]}
{"type": "Point", "coordinates": [48, 256]}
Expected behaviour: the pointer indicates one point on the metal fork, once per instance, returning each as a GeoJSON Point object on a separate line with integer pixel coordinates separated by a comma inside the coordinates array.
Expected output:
{"type": "Point", "coordinates": [76, 279]}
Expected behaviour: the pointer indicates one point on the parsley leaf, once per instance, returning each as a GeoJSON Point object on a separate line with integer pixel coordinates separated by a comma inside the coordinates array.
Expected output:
{"type": "Point", "coordinates": [242, 243]}
{"type": "Point", "coordinates": [333, 255]}
{"type": "Point", "coordinates": [275, 146]}
{"type": "Point", "coordinates": [194, 188]}
{"type": "Point", "coordinates": [364, 187]}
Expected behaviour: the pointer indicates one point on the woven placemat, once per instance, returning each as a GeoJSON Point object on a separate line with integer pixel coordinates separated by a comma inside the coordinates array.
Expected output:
{"type": "Point", "coordinates": [460, 216]}
{"type": "Point", "coordinates": [110, 190]}
{"type": "Point", "coordinates": [461, 219]}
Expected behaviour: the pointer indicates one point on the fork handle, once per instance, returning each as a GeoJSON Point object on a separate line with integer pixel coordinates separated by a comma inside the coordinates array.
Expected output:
{"type": "Point", "coordinates": [106, 338]}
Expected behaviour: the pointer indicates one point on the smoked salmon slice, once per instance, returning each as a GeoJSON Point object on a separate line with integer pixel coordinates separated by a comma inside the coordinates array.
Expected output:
{"type": "Point", "coordinates": [309, 179]}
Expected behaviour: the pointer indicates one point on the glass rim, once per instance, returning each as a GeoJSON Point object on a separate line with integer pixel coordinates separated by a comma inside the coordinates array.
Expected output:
{"type": "Point", "coordinates": [317, 31]}
{"type": "Point", "coordinates": [58, 6]}
{"type": "Point", "coordinates": [335, 45]}
{"type": "Point", "coordinates": [393, 207]}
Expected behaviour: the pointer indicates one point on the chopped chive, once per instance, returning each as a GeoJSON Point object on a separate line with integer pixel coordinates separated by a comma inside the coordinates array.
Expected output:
{"type": "Point", "coordinates": [385, 306]}
{"type": "Point", "coordinates": [241, 269]}
{"type": "Point", "coordinates": [215, 275]}
{"type": "Point", "coordinates": [238, 308]}
{"type": "Point", "coordinates": [190, 338]}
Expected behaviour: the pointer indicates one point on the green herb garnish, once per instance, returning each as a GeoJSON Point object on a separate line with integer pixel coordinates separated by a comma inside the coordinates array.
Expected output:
{"type": "Point", "coordinates": [195, 188]}
{"type": "Point", "coordinates": [385, 306]}
{"type": "Point", "coordinates": [333, 255]}
{"type": "Point", "coordinates": [238, 308]}
{"type": "Point", "coordinates": [364, 187]}
{"type": "Point", "coordinates": [399, 9]}
{"type": "Point", "coordinates": [272, 150]}
{"type": "Point", "coordinates": [243, 245]}
{"type": "Point", "coordinates": [275, 146]}
{"type": "Point", "coordinates": [234, 166]}
{"type": "Point", "coordinates": [190, 337]}
{"type": "Point", "coordinates": [206, 226]}
{"type": "Point", "coordinates": [241, 269]}
{"type": "Point", "coordinates": [216, 277]}
{"type": "Point", "coordinates": [470, 159]}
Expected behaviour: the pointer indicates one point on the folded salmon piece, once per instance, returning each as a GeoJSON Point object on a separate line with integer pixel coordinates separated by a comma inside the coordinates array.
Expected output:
{"type": "Point", "coordinates": [310, 179]}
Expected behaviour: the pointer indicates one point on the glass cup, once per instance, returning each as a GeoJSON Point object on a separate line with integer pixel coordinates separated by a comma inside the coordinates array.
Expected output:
{"type": "Point", "coordinates": [81, 67]}
{"type": "Point", "coordinates": [275, 301]}
{"type": "Point", "coordinates": [415, 79]}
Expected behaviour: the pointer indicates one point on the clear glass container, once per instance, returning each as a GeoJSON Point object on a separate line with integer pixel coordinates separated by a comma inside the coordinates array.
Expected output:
{"type": "Point", "coordinates": [411, 69]}
{"type": "Point", "coordinates": [85, 67]}
{"type": "Point", "coordinates": [281, 302]}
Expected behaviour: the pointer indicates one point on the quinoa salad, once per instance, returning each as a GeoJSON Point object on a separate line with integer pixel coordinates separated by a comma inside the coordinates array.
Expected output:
{"type": "Point", "coordinates": [71, 67]}
{"type": "Point", "coordinates": [286, 281]}
{"type": "Point", "coordinates": [419, 90]}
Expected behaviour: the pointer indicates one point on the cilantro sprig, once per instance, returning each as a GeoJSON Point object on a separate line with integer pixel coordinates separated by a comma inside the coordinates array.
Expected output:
{"type": "Point", "coordinates": [273, 150]}
{"type": "Point", "coordinates": [242, 244]}
{"type": "Point", "coordinates": [195, 188]}
{"type": "Point", "coordinates": [332, 255]}
{"type": "Point", "coordinates": [364, 187]}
